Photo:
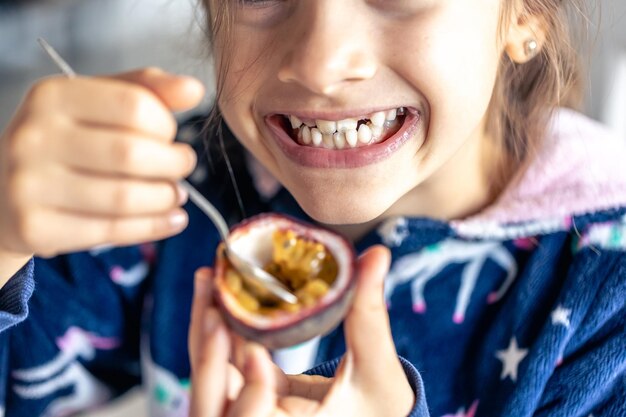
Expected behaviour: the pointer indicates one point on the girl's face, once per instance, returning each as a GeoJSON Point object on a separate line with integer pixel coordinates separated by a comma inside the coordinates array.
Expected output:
{"type": "Point", "coordinates": [388, 100]}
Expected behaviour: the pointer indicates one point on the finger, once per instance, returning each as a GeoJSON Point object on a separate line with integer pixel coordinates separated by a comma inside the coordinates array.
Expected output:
{"type": "Point", "coordinates": [201, 301]}
{"type": "Point", "coordinates": [177, 92]}
{"type": "Point", "coordinates": [371, 356]}
{"type": "Point", "coordinates": [238, 352]}
{"type": "Point", "coordinates": [235, 382]}
{"type": "Point", "coordinates": [313, 387]}
{"type": "Point", "coordinates": [50, 232]}
{"type": "Point", "coordinates": [371, 349]}
{"type": "Point", "coordinates": [238, 359]}
{"type": "Point", "coordinates": [105, 102]}
{"type": "Point", "coordinates": [116, 152]}
{"type": "Point", "coordinates": [258, 396]}
{"type": "Point", "coordinates": [298, 406]}
{"type": "Point", "coordinates": [68, 190]}
{"type": "Point", "coordinates": [345, 398]}
{"type": "Point", "coordinates": [209, 376]}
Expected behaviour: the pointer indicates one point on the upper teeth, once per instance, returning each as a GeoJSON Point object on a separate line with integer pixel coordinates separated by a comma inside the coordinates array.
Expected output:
{"type": "Point", "coordinates": [347, 132]}
{"type": "Point", "coordinates": [346, 124]}
{"type": "Point", "coordinates": [295, 122]}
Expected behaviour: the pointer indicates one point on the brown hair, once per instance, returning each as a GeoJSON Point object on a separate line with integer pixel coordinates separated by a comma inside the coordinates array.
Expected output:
{"type": "Point", "coordinates": [525, 95]}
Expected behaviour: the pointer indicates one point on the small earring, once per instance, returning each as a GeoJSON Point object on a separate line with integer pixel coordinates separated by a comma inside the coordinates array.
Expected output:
{"type": "Point", "coordinates": [531, 48]}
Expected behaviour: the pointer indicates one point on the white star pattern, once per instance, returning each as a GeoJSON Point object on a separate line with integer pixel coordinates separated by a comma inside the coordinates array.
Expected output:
{"type": "Point", "coordinates": [394, 231]}
{"type": "Point", "coordinates": [560, 315]}
{"type": "Point", "coordinates": [511, 358]}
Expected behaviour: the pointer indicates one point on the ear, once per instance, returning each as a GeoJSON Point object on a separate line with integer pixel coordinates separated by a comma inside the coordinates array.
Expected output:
{"type": "Point", "coordinates": [525, 37]}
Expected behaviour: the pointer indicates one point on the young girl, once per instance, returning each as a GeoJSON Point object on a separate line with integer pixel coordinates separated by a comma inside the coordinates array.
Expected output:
{"type": "Point", "coordinates": [433, 128]}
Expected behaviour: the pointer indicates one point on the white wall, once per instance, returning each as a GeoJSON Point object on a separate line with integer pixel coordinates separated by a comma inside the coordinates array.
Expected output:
{"type": "Point", "coordinates": [607, 96]}
{"type": "Point", "coordinates": [97, 36]}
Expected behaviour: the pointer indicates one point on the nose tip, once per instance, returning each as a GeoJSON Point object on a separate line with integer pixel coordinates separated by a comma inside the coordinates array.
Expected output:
{"type": "Point", "coordinates": [327, 52]}
{"type": "Point", "coordinates": [324, 74]}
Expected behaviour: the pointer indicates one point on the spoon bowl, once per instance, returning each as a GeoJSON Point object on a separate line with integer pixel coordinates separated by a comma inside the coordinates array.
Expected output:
{"type": "Point", "coordinates": [255, 276]}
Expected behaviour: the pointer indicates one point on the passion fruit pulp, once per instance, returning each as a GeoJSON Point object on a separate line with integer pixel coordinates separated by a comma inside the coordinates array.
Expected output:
{"type": "Point", "coordinates": [316, 264]}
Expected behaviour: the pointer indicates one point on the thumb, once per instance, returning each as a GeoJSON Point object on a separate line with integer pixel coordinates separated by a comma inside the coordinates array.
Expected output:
{"type": "Point", "coordinates": [258, 395]}
{"type": "Point", "coordinates": [367, 331]}
{"type": "Point", "coordinates": [177, 92]}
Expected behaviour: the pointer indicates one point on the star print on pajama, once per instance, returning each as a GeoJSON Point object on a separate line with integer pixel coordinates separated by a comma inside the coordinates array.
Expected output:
{"type": "Point", "coordinates": [511, 358]}
{"type": "Point", "coordinates": [394, 231]}
{"type": "Point", "coordinates": [561, 315]}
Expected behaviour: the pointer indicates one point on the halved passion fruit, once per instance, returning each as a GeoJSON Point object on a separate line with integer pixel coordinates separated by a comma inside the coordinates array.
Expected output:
{"type": "Point", "coordinates": [317, 265]}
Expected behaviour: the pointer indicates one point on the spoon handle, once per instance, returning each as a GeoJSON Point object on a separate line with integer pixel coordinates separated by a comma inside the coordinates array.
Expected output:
{"type": "Point", "coordinates": [207, 208]}
{"type": "Point", "coordinates": [57, 59]}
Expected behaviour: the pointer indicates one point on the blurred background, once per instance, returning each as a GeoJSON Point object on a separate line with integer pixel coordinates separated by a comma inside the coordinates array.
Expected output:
{"type": "Point", "coordinates": [105, 36]}
{"type": "Point", "coordinates": [95, 37]}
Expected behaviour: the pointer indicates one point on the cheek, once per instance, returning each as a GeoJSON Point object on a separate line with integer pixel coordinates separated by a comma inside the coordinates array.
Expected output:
{"type": "Point", "coordinates": [454, 69]}
{"type": "Point", "coordinates": [239, 85]}
{"type": "Point", "coordinates": [244, 63]}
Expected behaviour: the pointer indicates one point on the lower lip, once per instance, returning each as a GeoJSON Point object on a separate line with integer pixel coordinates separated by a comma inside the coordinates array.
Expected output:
{"type": "Point", "coordinates": [346, 158]}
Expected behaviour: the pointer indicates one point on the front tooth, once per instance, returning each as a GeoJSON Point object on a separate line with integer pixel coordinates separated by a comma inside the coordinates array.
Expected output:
{"type": "Point", "coordinates": [347, 124]}
{"type": "Point", "coordinates": [365, 134]}
{"type": "Point", "coordinates": [352, 137]}
{"type": "Point", "coordinates": [306, 135]}
{"type": "Point", "coordinates": [295, 122]}
{"type": "Point", "coordinates": [327, 139]}
{"type": "Point", "coordinates": [340, 140]}
{"type": "Point", "coordinates": [326, 127]}
{"type": "Point", "coordinates": [378, 118]}
{"type": "Point", "coordinates": [391, 115]}
{"type": "Point", "coordinates": [316, 137]}
{"type": "Point", "coordinates": [401, 111]}
{"type": "Point", "coordinates": [377, 132]}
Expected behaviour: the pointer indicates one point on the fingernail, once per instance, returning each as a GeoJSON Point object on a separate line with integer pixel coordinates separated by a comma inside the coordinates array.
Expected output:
{"type": "Point", "coordinates": [178, 219]}
{"type": "Point", "coordinates": [183, 195]}
{"type": "Point", "coordinates": [201, 285]}
{"type": "Point", "coordinates": [193, 159]}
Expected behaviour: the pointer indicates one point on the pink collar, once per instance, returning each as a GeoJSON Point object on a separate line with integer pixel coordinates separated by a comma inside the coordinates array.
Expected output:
{"type": "Point", "coordinates": [580, 168]}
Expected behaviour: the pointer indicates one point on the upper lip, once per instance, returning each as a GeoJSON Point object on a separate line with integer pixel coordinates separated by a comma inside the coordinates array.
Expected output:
{"type": "Point", "coordinates": [333, 115]}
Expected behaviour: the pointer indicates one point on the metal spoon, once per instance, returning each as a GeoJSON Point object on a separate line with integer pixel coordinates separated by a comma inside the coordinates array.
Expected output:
{"type": "Point", "coordinates": [250, 272]}
{"type": "Point", "coordinates": [253, 274]}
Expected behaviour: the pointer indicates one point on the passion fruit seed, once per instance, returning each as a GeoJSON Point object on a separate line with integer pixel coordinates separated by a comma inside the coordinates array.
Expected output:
{"type": "Point", "coordinates": [297, 260]}
{"type": "Point", "coordinates": [233, 281]}
{"type": "Point", "coordinates": [311, 292]}
{"type": "Point", "coordinates": [248, 301]}
{"type": "Point", "coordinates": [315, 288]}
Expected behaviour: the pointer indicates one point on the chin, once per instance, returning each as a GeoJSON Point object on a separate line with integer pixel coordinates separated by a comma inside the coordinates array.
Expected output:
{"type": "Point", "coordinates": [343, 209]}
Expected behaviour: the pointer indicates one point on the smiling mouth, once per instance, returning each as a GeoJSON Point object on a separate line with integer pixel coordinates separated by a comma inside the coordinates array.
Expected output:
{"type": "Point", "coordinates": [348, 143]}
{"type": "Point", "coordinates": [348, 133]}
